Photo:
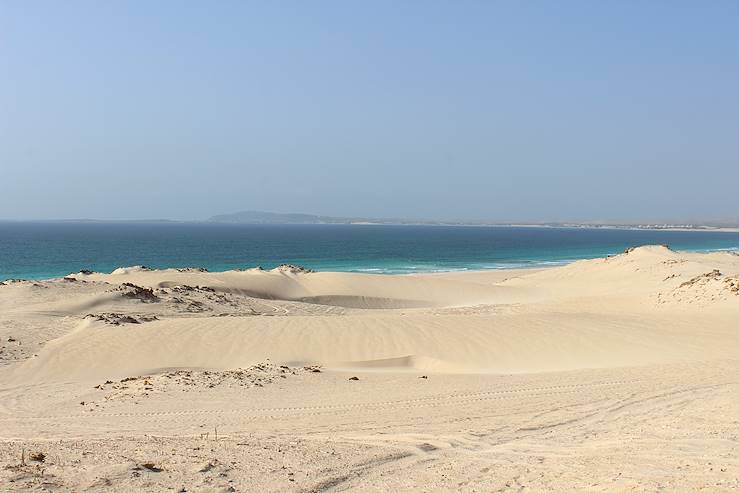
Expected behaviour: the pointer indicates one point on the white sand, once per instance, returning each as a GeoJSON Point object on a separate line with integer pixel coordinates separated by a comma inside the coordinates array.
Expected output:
{"type": "Point", "coordinates": [613, 374]}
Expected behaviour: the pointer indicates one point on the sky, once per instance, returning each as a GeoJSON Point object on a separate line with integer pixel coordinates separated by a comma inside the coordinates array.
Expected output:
{"type": "Point", "coordinates": [504, 111]}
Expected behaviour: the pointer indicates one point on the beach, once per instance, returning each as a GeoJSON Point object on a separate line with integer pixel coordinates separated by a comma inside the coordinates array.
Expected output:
{"type": "Point", "coordinates": [617, 373]}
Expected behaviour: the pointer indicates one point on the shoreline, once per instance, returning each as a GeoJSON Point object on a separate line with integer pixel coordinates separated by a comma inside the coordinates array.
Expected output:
{"type": "Point", "coordinates": [624, 227]}
{"type": "Point", "coordinates": [524, 266]}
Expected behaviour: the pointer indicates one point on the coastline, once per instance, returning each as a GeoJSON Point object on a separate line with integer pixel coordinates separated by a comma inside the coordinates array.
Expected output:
{"type": "Point", "coordinates": [524, 266]}
{"type": "Point", "coordinates": [564, 225]}
{"type": "Point", "coordinates": [43, 251]}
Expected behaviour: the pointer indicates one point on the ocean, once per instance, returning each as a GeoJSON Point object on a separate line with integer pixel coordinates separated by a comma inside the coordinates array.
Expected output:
{"type": "Point", "coordinates": [40, 250]}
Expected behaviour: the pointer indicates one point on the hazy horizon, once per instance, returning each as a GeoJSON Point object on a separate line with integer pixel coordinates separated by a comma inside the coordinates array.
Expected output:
{"type": "Point", "coordinates": [390, 219]}
{"type": "Point", "coordinates": [579, 112]}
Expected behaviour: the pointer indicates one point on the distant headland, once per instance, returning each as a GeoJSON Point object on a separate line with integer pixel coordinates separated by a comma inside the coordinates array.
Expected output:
{"type": "Point", "coordinates": [263, 217]}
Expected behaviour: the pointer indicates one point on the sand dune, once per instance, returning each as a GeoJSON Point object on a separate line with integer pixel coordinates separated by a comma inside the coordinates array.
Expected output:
{"type": "Point", "coordinates": [571, 377]}
{"type": "Point", "coordinates": [329, 288]}
{"type": "Point", "coordinates": [632, 309]}
{"type": "Point", "coordinates": [541, 340]}
{"type": "Point", "coordinates": [654, 267]}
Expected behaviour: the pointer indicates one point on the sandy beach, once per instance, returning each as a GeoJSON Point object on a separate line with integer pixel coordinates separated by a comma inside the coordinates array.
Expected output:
{"type": "Point", "coordinates": [612, 374]}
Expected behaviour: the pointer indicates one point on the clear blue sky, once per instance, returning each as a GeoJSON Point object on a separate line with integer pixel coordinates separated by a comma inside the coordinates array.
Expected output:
{"type": "Point", "coordinates": [520, 111]}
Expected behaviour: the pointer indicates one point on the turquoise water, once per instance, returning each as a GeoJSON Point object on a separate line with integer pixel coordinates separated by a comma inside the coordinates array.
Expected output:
{"type": "Point", "coordinates": [40, 250]}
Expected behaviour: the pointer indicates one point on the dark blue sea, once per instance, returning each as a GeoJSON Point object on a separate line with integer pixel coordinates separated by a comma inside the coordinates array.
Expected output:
{"type": "Point", "coordinates": [39, 250]}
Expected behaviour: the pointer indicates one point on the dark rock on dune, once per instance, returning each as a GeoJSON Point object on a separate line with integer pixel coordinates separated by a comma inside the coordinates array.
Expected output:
{"type": "Point", "coordinates": [139, 293]}
{"type": "Point", "coordinates": [293, 269]}
{"type": "Point", "coordinates": [197, 307]}
{"type": "Point", "coordinates": [184, 288]}
{"type": "Point", "coordinates": [715, 273]}
{"type": "Point", "coordinates": [124, 319]}
{"type": "Point", "coordinates": [120, 319]}
{"type": "Point", "coordinates": [8, 282]}
{"type": "Point", "coordinates": [38, 457]}
{"type": "Point", "coordinates": [151, 467]}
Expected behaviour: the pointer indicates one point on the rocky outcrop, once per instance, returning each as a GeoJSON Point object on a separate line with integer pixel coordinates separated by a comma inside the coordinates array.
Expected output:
{"type": "Point", "coordinates": [140, 293]}
{"type": "Point", "coordinates": [293, 269]}
{"type": "Point", "coordinates": [120, 319]}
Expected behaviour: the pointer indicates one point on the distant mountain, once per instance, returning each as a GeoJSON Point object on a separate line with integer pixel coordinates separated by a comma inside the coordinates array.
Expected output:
{"type": "Point", "coordinates": [261, 217]}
